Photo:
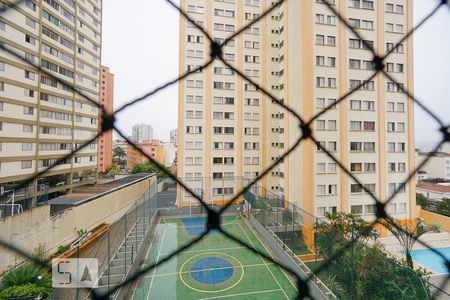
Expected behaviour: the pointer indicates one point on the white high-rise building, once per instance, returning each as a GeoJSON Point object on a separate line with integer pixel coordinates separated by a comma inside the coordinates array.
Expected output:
{"type": "Point", "coordinates": [142, 132]}
{"type": "Point", "coordinates": [41, 120]}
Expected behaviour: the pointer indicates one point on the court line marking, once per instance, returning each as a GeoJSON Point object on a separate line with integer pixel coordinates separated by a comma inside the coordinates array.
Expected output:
{"type": "Point", "coordinates": [157, 259]}
{"type": "Point", "coordinates": [147, 254]}
{"type": "Point", "coordinates": [257, 237]}
{"type": "Point", "coordinates": [207, 250]}
{"type": "Point", "coordinates": [234, 221]}
{"type": "Point", "coordinates": [241, 294]}
{"type": "Point", "coordinates": [263, 260]}
{"type": "Point", "coordinates": [213, 291]}
{"type": "Point", "coordinates": [209, 269]}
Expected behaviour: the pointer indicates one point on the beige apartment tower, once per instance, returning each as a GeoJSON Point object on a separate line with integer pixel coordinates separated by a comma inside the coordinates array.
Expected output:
{"type": "Point", "coordinates": [41, 120]}
{"type": "Point", "coordinates": [229, 132]}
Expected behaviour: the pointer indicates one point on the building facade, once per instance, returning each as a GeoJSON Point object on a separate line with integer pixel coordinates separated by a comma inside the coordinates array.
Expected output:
{"type": "Point", "coordinates": [437, 166]}
{"type": "Point", "coordinates": [152, 148]}
{"type": "Point", "coordinates": [228, 131]}
{"type": "Point", "coordinates": [142, 132]}
{"type": "Point", "coordinates": [107, 101]}
{"type": "Point", "coordinates": [173, 136]}
{"type": "Point", "coordinates": [41, 119]}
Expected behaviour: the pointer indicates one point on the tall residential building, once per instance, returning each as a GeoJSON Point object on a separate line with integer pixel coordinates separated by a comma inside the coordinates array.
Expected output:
{"type": "Point", "coordinates": [304, 56]}
{"type": "Point", "coordinates": [142, 132]}
{"type": "Point", "coordinates": [173, 136]}
{"type": "Point", "coordinates": [41, 119]}
{"type": "Point", "coordinates": [107, 100]}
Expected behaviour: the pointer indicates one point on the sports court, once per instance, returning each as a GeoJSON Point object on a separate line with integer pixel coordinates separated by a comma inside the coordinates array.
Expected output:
{"type": "Point", "coordinates": [215, 268]}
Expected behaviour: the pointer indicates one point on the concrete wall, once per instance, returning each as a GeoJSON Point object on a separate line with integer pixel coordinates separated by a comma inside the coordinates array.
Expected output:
{"type": "Point", "coordinates": [36, 228]}
{"type": "Point", "coordinates": [430, 217]}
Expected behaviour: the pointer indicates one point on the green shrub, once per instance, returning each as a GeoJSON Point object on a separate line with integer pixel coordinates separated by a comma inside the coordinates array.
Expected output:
{"type": "Point", "coordinates": [61, 248]}
{"type": "Point", "coordinates": [27, 274]}
{"type": "Point", "coordinates": [25, 290]}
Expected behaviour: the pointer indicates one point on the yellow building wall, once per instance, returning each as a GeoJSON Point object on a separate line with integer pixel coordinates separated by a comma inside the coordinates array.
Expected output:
{"type": "Point", "coordinates": [431, 217]}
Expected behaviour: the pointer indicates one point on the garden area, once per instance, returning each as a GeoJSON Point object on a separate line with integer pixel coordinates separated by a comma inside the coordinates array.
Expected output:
{"type": "Point", "coordinates": [364, 270]}
{"type": "Point", "coordinates": [28, 280]}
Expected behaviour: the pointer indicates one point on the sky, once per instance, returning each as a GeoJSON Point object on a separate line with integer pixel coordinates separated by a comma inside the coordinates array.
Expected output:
{"type": "Point", "coordinates": [142, 51]}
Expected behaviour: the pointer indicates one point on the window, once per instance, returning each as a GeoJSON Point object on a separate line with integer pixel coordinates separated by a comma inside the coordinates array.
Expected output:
{"type": "Point", "coordinates": [392, 207]}
{"type": "Point", "coordinates": [29, 75]}
{"type": "Point", "coordinates": [391, 167]}
{"type": "Point", "coordinates": [320, 167]}
{"type": "Point", "coordinates": [320, 102]}
{"type": "Point", "coordinates": [370, 209]}
{"type": "Point", "coordinates": [320, 60]}
{"type": "Point", "coordinates": [355, 104]}
{"type": "Point", "coordinates": [331, 41]}
{"type": "Point", "coordinates": [320, 189]}
{"type": "Point", "coordinates": [321, 211]}
{"type": "Point", "coordinates": [320, 39]}
{"type": "Point", "coordinates": [355, 125]}
{"type": "Point", "coordinates": [320, 124]}
{"type": "Point", "coordinates": [26, 164]}
{"type": "Point", "coordinates": [28, 110]}
{"type": "Point", "coordinates": [369, 167]}
{"type": "Point", "coordinates": [332, 146]}
{"type": "Point", "coordinates": [356, 167]}
{"type": "Point", "coordinates": [27, 128]}
{"type": "Point", "coordinates": [354, 64]}
{"type": "Point", "coordinates": [332, 167]}
{"type": "Point", "coordinates": [27, 147]}
{"type": "Point", "coordinates": [320, 81]}
{"type": "Point", "coordinates": [356, 209]}
{"type": "Point", "coordinates": [391, 147]}
{"type": "Point", "coordinates": [356, 188]}
{"type": "Point", "coordinates": [369, 126]}
{"type": "Point", "coordinates": [389, 7]}
{"type": "Point", "coordinates": [369, 146]}
{"type": "Point", "coordinates": [355, 146]}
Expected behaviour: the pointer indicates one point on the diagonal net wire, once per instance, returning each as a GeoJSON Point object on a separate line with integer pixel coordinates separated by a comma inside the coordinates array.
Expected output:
{"type": "Point", "coordinates": [305, 133]}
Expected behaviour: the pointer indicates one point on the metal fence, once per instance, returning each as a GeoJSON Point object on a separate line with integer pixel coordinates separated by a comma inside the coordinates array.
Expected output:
{"type": "Point", "coordinates": [363, 270]}
{"type": "Point", "coordinates": [307, 133]}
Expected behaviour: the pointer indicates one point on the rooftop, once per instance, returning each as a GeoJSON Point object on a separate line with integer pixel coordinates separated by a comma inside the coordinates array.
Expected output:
{"type": "Point", "coordinates": [88, 193]}
{"type": "Point", "coordinates": [435, 188]}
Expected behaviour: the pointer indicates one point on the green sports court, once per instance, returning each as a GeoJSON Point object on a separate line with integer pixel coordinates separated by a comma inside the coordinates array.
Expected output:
{"type": "Point", "coordinates": [215, 268]}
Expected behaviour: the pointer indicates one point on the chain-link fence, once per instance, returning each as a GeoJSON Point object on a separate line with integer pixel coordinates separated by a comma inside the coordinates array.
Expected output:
{"type": "Point", "coordinates": [330, 265]}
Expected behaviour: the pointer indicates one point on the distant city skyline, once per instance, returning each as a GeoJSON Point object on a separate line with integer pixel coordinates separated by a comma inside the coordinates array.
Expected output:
{"type": "Point", "coordinates": [155, 61]}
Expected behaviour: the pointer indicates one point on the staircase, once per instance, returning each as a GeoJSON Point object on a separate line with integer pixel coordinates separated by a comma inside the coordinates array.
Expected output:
{"type": "Point", "coordinates": [121, 263]}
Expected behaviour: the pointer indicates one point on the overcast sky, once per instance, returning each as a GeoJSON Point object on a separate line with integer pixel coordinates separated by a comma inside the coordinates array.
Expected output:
{"type": "Point", "coordinates": [140, 45]}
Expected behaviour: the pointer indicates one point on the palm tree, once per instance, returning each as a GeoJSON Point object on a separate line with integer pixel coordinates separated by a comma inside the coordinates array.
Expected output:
{"type": "Point", "coordinates": [408, 235]}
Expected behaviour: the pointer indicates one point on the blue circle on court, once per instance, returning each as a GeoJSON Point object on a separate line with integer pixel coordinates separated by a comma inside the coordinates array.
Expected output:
{"type": "Point", "coordinates": [211, 270]}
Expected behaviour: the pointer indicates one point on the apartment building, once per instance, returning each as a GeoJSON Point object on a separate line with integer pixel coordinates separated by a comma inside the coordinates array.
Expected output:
{"type": "Point", "coordinates": [107, 101]}
{"type": "Point", "coordinates": [152, 148]}
{"type": "Point", "coordinates": [437, 166]}
{"type": "Point", "coordinates": [142, 132]}
{"type": "Point", "coordinates": [42, 120]}
{"type": "Point", "coordinates": [307, 60]}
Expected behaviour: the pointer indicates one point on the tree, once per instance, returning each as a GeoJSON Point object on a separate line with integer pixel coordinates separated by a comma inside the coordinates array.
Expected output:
{"type": "Point", "coordinates": [443, 207]}
{"type": "Point", "coordinates": [118, 154]}
{"type": "Point", "coordinates": [113, 170]}
{"type": "Point", "coordinates": [408, 235]}
{"type": "Point", "coordinates": [149, 167]}
{"type": "Point", "coordinates": [422, 201]}
{"type": "Point", "coordinates": [286, 218]}
{"type": "Point", "coordinates": [338, 229]}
